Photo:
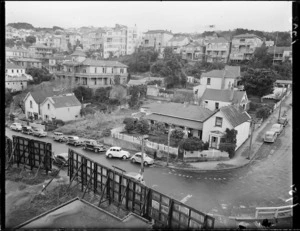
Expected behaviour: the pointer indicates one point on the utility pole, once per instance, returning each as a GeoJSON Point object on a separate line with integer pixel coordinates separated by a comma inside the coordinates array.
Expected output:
{"type": "Point", "coordinates": [252, 129]}
{"type": "Point", "coordinates": [280, 105]}
{"type": "Point", "coordinates": [169, 135]}
{"type": "Point", "coordinates": [142, 157]}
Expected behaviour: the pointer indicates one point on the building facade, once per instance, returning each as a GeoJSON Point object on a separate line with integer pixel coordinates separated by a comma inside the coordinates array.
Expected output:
{"type": "Point", "coordinates": [157, 39]}
{"type": "Point", "coordinates": [217, 50]}
{"type": "Point", "coordinates": [27, 62]}
{"type": "Point", "coordinates": [16, 53]}
{"type": "Point", "coordinates": [15, 77]}
{"type": "Point", "coordinates": [193, 51]}
{"type": "Point", "coordinates": [243, 46]}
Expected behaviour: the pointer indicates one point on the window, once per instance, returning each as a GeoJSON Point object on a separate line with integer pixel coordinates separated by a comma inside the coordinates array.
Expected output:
{"type": "Point", "coordinates": [146, 41]}
{"type": "Point", "coordinates": [30, 104]}
{"type": "Point", "coordinates": [206, 102]}
{"type": "Point", "coordinates": [219, 121]}
{"type": "Point", "coordinates": [48, 106]}
{"type": "Point", "coordinates": [217, 106]}
{"type": "Point", "coordinates": [17, 71]}
{"type": "Point", "coordinates": [242, 40]}
{"type": "Point", "coordinates": [121, 70]}
{"type": "Point", "coordinates": [12, 71]}
{"type": "Point", "coordinates": [104, 70]}
{"type": "Point", "coordinates": [84, 70]}
{"type": "Point", "coordinates": [208, 81]}
{"type": "Point", "coordinates": [95, 69]}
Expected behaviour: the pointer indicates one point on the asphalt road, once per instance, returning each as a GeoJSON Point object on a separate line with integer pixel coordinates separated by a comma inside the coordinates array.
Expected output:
{"type": "Point", "coordinates": [266, 182]}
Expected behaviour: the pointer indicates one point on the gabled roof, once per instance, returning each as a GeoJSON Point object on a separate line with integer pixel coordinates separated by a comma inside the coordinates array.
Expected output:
{"type": "Point", "coordinates": [158, 31]}
{"type": "Point", "coordinates": [12, 66]}
{"type": "Point", "coordinates": [178, 110]}
{"type": "Point", "coordinates": [40, 96]}
{"type": "Point", "coordinates": [235, 115]}
{"type": "Point", "coordinates": [102, 63]}
{"type": "Point", "coordinates": [223, 95]}
{"type": "Point", "coordinates": [247, 36]}
{"type": "Point", "coordinates": [229, 72]}
{"type": "Point", "coordinates": [64, 101]}
{"type": "Point", "coordinates": [193, 44]}
{"type": "Point", "coordinates": [218, 40]}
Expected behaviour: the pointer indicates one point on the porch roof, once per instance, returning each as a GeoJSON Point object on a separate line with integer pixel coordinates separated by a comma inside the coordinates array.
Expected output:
{"type": "Point", "coordinates": [175, 121]}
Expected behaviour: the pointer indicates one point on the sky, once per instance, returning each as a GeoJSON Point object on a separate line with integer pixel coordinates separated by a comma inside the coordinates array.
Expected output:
{"type": "Point", "coordinates": [177, 16]}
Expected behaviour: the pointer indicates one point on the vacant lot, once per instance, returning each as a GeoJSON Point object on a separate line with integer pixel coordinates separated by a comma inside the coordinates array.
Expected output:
{"type": "Point", "coordinates": [92, 126]}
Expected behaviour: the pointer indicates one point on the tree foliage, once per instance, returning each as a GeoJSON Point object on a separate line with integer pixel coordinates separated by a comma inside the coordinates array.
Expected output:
{"type": "Point", "coordinates": [83, 94]}
{"type": "Point", "coordinates": [21, 25]}
{"type": "Point", "coordinates": [87, 110]}
{"type": "Point", "coordinates": [39, 75]}
{"type": "Point", "coordinates": [261, 58]}
{"type": "Point", "coordinates": [8, 97]}
{"type": "Point", "coordinates": [136, 93]}
{"type": "Point", "coordinates": [177, 134]}
{"type": "Point", "coordinates": [130, 124]}
{"type": "Point", "coordinates": [143, 126]}
{"type": "Point", "coordinates": [258, 82]}
{"type": "Point", "coordinates": [141, 60]}
{"type": "Point", "coordinates": [191, 144]}
{"type": "Point", "coordinates": [102, 94]}
{"type": "Point", "coordinates": [228, 143]}
{"type": "Point", "coordinates": [263, 112]}
{"type": "Point", "coordinates": [30, 39]}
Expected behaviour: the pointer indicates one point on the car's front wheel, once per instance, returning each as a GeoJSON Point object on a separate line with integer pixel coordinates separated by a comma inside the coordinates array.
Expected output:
{"type": "Point", "coordinates": [133, 160]}
{"type": "Point", "coordinates": [145, 163]}
{"type": "Point", "coordinates": [110, 156]}
{"type": "Point", "coordinates": [124, 157]}
{"type": "Point", "coordinates": [96, 150]}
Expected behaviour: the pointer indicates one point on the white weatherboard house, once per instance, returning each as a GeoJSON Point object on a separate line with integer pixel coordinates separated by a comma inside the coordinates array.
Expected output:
{"type": "Point", "coordinates": [219, 79]}
{"type": "Point", "coordinates": [213, 99]}
{"type": "Point", "coordinates": [227, 117]}
{"type": "Point", "coordinates": [64, 107]}
{"type": "Point", "coordinates": [33, 101]}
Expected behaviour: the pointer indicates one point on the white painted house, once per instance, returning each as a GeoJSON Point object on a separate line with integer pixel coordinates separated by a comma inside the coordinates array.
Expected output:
{"type": "Point", "coordinates": [219, 79]}
{"type": "Point", "coordinates": [213, 99]}
{"type": "Point", "coordinates": [64, 107]}
{"type": "Point", "coordinates": [227, 117]}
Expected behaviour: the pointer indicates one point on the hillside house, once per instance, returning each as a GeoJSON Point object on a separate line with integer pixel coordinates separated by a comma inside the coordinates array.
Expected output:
{"type": "Point", "coordinates": [217, 50]}
{"type": "Point", "coordinates": [227, 78]}
{"type": "Point", "coordinates": [63, 107]}
{"type": "Point", "coordinates": [213, 99]}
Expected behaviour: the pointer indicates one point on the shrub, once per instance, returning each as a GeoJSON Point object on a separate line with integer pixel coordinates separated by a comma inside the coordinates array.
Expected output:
{"type": "Point", "coordinates": [160, 127]}
{"type": "Point", "coordinates": [130, 124]}
{"type": "Point", "coordinates": [177, 133]}
{"type": "Point", "coordinates": [263, 112]}
{"type": "Point", "coordinates": [129, 120]}
{"type": "Point", "coordinates": [59, 122]}
{"type": "Point", "coordinates": [143, 126]}
{"type": "Point", "coordinates": [228, 147]}
{"type": "Point", "coordinates": [206, 145]}
{"type": "Point", "coordinates": [191, 144]}
{"type": "Point", "coordinates": [87, 110]}
{"type": "Point", "coordinates": [253, 106]}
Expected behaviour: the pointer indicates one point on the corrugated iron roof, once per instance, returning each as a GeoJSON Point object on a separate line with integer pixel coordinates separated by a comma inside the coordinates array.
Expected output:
{"type": "Point", "coordinates": [229, 72]}
{"type": "Point", "coordinates": [235, 115]}
{"type": "Point", "coordinates": [182, 111]}
{"type": "Point", "coordinates": [223, 95]}
{"type": "Point", "coordinates": [65, 101]}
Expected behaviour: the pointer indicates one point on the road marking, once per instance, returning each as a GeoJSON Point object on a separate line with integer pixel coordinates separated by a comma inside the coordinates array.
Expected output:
{"type": "Point", "coordinates": [186, 198]}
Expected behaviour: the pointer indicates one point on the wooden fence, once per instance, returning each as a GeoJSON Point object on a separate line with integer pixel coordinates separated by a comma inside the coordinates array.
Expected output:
{"type": "Point", "coordinates": [131, 195]}
{"type": "Point", "coordinates": [148, 143]}
{"type": "Point", "coordinates": [274, 212]}
{"type": "Point", "coordinates": [33, 153]}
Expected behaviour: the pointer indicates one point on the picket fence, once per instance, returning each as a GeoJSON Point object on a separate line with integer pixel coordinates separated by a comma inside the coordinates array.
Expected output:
{"type": "Point", "coordinates": [148, 143]}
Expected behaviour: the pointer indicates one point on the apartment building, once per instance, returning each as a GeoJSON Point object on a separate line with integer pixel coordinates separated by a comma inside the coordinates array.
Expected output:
{"type": "Point", "coordinates": [92, 73]}
{"type": "Point", "coordinates": [217, 50]}
{"type": "Point", "coordinates": [40, 51]}
{"type": "Point", "coordinates": [15, 77]}
{"type": "Point", "coordinates": [16, 53]}
{"type": "Point", "coordinates": [243, 46]}
{"type": "Point", "coordinates": [157, 39]}
{"type": "Point", "coordinates": [280, 54]}
{"type": "Point", "coordinates": [193, 51]}
{"type": "Point", "coordinates": [177, 43]}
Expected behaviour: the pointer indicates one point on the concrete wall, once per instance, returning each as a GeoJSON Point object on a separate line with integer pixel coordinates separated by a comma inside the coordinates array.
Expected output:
{"type": "Point", "coordinates": [16, 85]}
{"type": "Point", "coordinates": [243, 132]}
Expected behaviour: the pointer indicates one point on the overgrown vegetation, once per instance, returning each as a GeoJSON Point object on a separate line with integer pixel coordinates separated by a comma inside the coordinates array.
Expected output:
{"type": "Point", "coordinates": [228, 143]}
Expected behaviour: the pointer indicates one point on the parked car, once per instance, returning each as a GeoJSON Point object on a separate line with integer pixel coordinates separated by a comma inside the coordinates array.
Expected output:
{"type": "Point", "coordinates": [117, 152]}
{"type": "Point", "coordinates": [27, 130]}
{"type": "Point", "coordinates": [283, 121]}
{"type": "Point", "coordinates": [16, 127]}
{"type": "Point", "coordinates": [39, 132]}
{"type": "Point", "coordinates": [277, 128]}
{"type": "Point", "coordinates": [270, 136]}
{"type": "Point", "coordinates": [136, 176]}
{"type": "Point", "coordinates": [137, 157]}
{"type": "Point", "coordinates": [74, 140]}
{"type": "Point", "coordinates": [58, 136]}
{"type": "Point", "coordinates": [61, 159]}
{"type": "Point", "coordinates": [94, 146]}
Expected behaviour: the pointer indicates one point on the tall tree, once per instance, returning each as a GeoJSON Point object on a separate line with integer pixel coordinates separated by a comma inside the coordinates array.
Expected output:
{"type": "Point", "coordinates": [30, 39]}
{"type": "Point", "coordinates": [258, 82]}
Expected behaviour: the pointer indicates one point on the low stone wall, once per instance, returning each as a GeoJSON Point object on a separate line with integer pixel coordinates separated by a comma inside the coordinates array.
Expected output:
{"type": "Point", "coordinates": [205, 155]}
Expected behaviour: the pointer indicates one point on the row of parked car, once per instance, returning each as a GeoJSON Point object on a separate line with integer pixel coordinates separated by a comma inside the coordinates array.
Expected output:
{"type": "Point", "coordinates": [28, 130]}
{"type": "Point", "coordinates": [93, 145]}
{"type": "Point", "coordinates": [275, 131]}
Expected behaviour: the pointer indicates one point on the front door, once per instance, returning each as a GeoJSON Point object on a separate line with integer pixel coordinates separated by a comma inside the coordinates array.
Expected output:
{"type": "Point", "coordinates": [214, 142]}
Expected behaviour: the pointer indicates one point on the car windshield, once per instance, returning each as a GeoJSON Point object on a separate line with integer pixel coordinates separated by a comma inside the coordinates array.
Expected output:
{"type": "Point", "coordinates": [269, 135]}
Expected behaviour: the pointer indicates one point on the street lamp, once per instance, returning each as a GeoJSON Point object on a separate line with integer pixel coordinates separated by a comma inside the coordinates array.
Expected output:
{"type": "Point", "coordinates": [169, 134]}
{"type": "Point", "coordinates": [142, 156]}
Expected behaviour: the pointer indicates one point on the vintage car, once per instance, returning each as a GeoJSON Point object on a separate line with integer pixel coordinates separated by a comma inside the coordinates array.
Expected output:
{"type": "Point", "coordinates": [27, 130]}
{"type": "Point", "coordinates": [58, 136]}
{"type": "Point", "coordinates": [270, 136]}
{"type": "Point", "coordinates": [137, 157]}
{"type": "Point", "coordinates": [94, 146]}
{"type": "Point", "coordinates": [39, 132]}
{"type": "Point", "coordinates": [16, 127]}
{"type": "Point", "coordinates": [117, 152]}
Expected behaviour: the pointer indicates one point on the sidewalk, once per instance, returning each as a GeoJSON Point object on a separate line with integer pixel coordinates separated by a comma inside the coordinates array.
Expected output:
{"type": "Point", "coordinates": [240, 158]}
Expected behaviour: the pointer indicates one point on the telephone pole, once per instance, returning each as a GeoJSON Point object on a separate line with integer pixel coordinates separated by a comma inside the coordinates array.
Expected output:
{"type": "Point", "coordinates": [252, 129]}
{"type": "Point", "coordinates": [142, 157]}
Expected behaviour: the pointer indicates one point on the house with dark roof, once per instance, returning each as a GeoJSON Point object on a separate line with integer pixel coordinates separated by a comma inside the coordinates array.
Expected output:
{"type": "Point", "coordinates": [243, 46]}
{"type": "Point", "coordinates": [217, 50]}
{"type": "Point", "coordinates": [92, 73]}
{"type": "Point", "coordinates": [213, 99]}
{"type": "Point", "coordinates": [188, 117]}
{"type": "Point", "coordinates": [227, 78]}
{"type": "Point", "coordinates": [64, 107]}
{"type": "Point", "coordinates": [231, 117]}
